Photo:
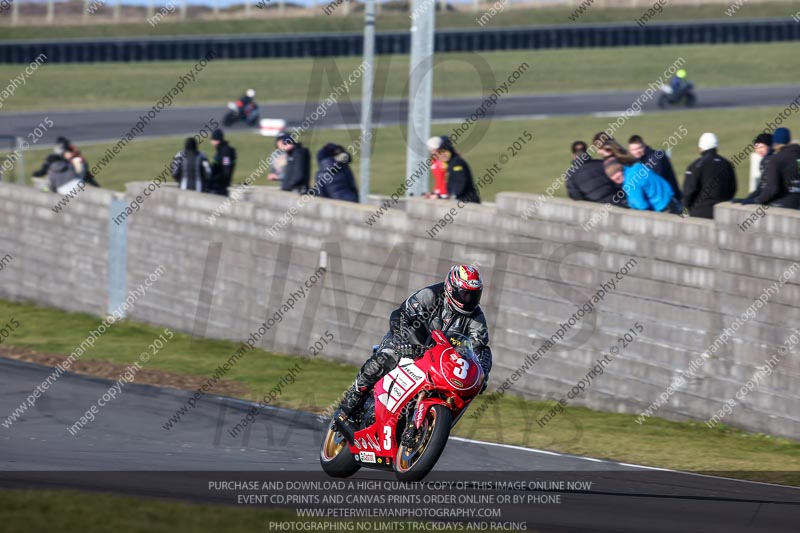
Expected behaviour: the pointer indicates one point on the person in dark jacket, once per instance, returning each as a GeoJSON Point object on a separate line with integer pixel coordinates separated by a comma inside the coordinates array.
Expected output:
{"type": "Point", "coordinates": [334, 179]}
{"type": "Point", "coordinates": [587, 180]}
{"type": "Point", "coordinates": [782, 175]}
{"type": "Point", "coordinates": [59, 172]}
{"type": "Point", "coordinates": [451, 307]}
{"type": "Point", "coordinates": [657, 161]}
{"type": "Point", "coordinates": [297, 173]}
{"type": "Point", "coordinates": [710, 179]}
{"type": "Point", "coordinates": [762, 145]}
{"type": "Point", "coordinates": [190, 168]}
{"type": "Point", "coordinates": [460, 184]}
{"type": "Point", "coordinates": [223, 165]}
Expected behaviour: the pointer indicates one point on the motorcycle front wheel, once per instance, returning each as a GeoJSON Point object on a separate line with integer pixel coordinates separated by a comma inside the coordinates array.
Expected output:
{"type": "Point", "coordinates": [335, 457]}
{"type": "Point", "coordinates": [415, 462]}
{"type": "Point", "coordinates": [691, 100]}
{"type": "Point", "coordinates": [230, 118]}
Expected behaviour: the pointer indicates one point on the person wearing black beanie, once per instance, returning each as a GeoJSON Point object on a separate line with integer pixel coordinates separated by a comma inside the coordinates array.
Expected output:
{"type": "Point", "coordinates": [223, 164]}
{"type": "Point", "coordinates": [782, 174]}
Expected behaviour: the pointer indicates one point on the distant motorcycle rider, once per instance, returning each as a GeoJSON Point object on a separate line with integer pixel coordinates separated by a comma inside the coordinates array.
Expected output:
{"type": "Point", "coordinates": [451, 306]}
{"type": "Point", "coordinates": [246, 102]}
{"type": "Point", "coordinates": [679, 84]}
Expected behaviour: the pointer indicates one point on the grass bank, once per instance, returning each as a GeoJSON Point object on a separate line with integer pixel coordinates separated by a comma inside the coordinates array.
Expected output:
{"type": "Point", "coordinates": [114, 85]}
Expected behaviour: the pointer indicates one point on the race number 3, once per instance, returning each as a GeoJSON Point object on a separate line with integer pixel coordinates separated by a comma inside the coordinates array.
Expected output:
{"type": "Point", "coordinates": [462, 365]}
{"type": "Point", "coordinates": [387, 438]}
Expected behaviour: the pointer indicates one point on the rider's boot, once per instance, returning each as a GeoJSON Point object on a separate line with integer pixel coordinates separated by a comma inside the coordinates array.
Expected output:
{"type": "Point", "coordinates": [353, 399]}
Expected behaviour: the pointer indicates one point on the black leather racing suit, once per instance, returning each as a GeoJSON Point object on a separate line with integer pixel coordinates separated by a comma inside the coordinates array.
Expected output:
{"type": "Point", "coordinates": [423, 312]}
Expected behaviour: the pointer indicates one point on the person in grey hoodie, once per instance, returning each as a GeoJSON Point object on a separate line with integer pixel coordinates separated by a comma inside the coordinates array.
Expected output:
{"type": "Point", "coordinates": [191, 168]}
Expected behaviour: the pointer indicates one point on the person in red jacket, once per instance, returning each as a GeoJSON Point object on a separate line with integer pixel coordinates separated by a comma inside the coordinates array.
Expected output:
{"type": "Point", "coordinates": [438, 168]}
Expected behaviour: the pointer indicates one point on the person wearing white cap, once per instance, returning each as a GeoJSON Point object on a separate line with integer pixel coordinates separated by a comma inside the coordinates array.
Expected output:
{"type": "Point", "coordinates": [710, 179]}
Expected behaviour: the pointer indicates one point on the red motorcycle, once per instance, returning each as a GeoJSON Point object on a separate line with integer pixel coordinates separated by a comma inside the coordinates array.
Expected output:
{"type": "Point", "coordinates": [404, 425]}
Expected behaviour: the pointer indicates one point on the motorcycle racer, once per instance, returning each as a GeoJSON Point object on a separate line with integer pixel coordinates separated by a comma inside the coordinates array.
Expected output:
{"type": "Point", "coordinates": [245, 102]}
{"type": "Point", "coordinates": [679, 84]}
{"type": "Point", "coordinates": [451, 306]}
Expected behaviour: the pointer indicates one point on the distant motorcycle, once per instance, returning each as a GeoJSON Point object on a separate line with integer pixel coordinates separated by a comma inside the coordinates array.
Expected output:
{"type": "Point", "coordinates": [251, 115]}
{"type": "Point", "coordinates": [669, 98]}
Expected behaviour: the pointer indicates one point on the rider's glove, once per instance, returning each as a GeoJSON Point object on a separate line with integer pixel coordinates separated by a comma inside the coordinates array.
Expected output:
{"type": "Point", "coordinates": [406, 349]}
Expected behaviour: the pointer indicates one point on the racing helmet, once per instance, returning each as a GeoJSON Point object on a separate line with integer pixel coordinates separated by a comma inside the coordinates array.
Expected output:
{"type": "Point", "coordinates": [681, 73]}
{"type": "Point", "coordinates": [463, 287]}
{"type": "Point", "coordinates": [251, 93]}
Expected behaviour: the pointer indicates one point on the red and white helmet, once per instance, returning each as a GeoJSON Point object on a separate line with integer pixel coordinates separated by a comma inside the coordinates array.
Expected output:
{"type": "Point", "coordinates": [463, 287]}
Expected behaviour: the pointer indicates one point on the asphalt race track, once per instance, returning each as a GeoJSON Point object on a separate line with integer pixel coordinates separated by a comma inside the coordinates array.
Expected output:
{"type": "Point", "coordinates": [106, 124]}
{"type": "Point", "coordinates": [127, 450]}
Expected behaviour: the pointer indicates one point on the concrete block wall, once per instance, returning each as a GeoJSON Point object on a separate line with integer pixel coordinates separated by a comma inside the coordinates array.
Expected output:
{"type": "Point", "coordinates": [59, 259]}
{"type": "Point", "coordinates": [689, 280]}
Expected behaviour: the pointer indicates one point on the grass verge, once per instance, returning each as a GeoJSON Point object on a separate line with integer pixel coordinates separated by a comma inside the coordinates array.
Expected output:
{"type": "Point", "coordinates": [265, 21]}
{"type": "Point", "coordinates": [114, 85]}
{"type": "Point", "coordinates": [689, 446]}
{"type": "Point", "coordinates": [68, 511]}
{"type": "Point", "coordinates": [83, 512]}
{"type": "Point", "coordinates": [534, 167]}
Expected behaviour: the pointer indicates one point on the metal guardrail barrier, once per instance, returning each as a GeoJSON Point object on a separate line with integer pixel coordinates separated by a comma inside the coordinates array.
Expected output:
{"type": "Point", "coordinates": [398, 42]}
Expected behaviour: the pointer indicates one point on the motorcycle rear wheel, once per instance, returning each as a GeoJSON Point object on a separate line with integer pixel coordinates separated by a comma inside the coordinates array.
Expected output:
{"type": "Point", "coordinates": [335, 457]}
{"type": "Point", "coordinates": [663, 101]}
{"type": "Point", "coordinates": [416, 463]}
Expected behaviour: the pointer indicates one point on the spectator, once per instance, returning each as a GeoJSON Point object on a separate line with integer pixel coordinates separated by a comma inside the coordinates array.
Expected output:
{"type": "Point", "coordinates": [334, 179]}
{"type": "Point", "coordinates": [57, 154]}
{"type": "Point", "coordinates": [644, 189]}
{"type": "Point", "coordinates": [57, 169]}
{"type": "Point", "coordinates": [657, 160]}
{"type": "Point", "coordinates": [79, 164]}
{"type": "Point", "coordinates": [190, 168]}
{"type": "Point", "coordinates": [762, 145]}
{"type": "Point", "coordinates": [438, 168]}
{"type": "Point", "coordinates": [297, 173]}
{"type": "Point", "coordinates": [710, 179]}
{"type": "Point", "coordinates": [223, 165]}
{"type": "Point", "coordinates": [277, 163]}
{"type": "Point", "coordinates": [587, 180]}
{"type": "Point", "coordinates": [459, 177]}
{"type": "Point", "coordinates": [782, 174]}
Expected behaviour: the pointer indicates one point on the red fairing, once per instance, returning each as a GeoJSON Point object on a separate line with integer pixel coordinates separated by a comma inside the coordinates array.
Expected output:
{"type": "Point", "coordinates": [443, 374]}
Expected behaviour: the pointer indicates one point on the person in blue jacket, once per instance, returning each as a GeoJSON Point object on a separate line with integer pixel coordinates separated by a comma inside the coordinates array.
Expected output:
{"type": "Point", "coordinates": [644, 189]}
{"type": "Point", "coordinates": [334, 178]}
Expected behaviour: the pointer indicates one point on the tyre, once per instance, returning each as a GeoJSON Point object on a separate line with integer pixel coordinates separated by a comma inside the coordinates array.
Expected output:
{"type": "Point", "coordinates": [335, 456]}
{"type": "Point", "coordinates": [413, 464]}
{"type": "Point", "coordinates": [691, 100]}
{"type": "Point", "coordinates": [229, 119]}
{"type": "Point", "coordinates": [663, 101]}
